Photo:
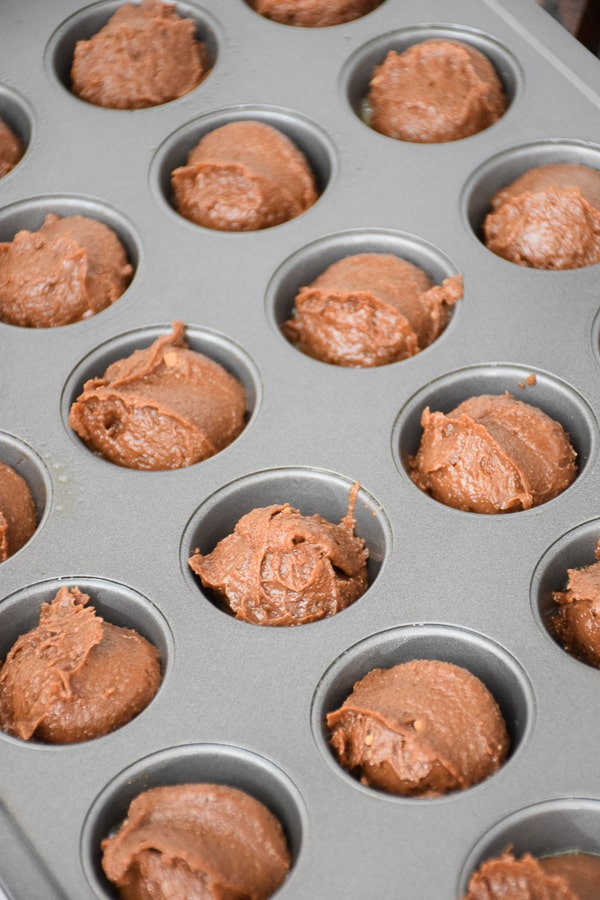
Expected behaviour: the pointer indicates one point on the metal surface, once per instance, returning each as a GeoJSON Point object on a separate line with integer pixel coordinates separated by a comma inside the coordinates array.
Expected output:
{"type": "Point", "coordinates": [238, 703]}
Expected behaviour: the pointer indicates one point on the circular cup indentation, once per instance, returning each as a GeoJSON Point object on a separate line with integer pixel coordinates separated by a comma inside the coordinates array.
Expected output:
{"type": "Point", "coordinates": [192, 763]}
{"type": "Point", "coordinates": [544, 829]}
{"type": "Point", "coordinates": [83, 25]}
{"type": "Point", "coordinates": [550, 394]}
{"type": "Point", "coordinates": [29, 215]}
{"type": "Point", "coordinates": [210, 343]}
{"type": "Point", "coordinates": [16, 114]}
{"type": "Point", "coordinates": [489, 662]}
{"type": "Point", "coordinates": [304, 266]}
{"type": "Point", "coordinates": [314, 143]}
{"type": "Point", "coordinates": [505, 167]}
{"type": "Point", "coordinates": [117, 603]}
{"type": "Point", "coordinates": [358, 70]}
{"type": "Point", "coordinates": [573, 550]}
{"type": "Point", "coordinates": [25, 461]}
{"type": "Point", "coordinates": [312, 491]}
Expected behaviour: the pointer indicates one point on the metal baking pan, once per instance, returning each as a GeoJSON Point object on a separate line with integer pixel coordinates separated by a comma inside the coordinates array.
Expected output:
{"type": "Point", "coordinates": [241, 704]}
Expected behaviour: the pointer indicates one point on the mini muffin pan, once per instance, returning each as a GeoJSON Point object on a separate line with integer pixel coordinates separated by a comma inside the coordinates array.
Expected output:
{"type": "Point", "coordinates": [245, 705]}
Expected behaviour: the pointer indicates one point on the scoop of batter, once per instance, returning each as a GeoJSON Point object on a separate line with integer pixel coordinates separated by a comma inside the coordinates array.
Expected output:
{"type": "Point", "coordinates": [164, 407]}
{"type": "Point", "coordinates": [11, 149]}
{"type": "Point", "coordinates": [568, 876]}
{"type": "Point", "coordinates": [207, 841]}
{"type": "Point", "coordinates": [74, 676]}
{"type": "Point", "coordinates": [493, 454]}
{"type": "Point", "coordinates": [68, 270]}
{"type": "Point", "coordinates": [370, 309]}
{"type": "Point", "coordinates": [313, 13]}
{"type": "Point", "coordinates": [433, 92]}
{"type": "Point", "coordinates": [244, 176]}
{"type": "Point", "coordinates": [145, 55]}
{"type": "Point", "coordinates": [17, 512]}
{"type": "Point", "coordinates": [581, 871]}
{"type": "Point", "coordinates": [577, 620]}
{"type": "Point", "coordinates": [282, 568]}
{"type": "Point", "coordinates": [422, 728]}
{"type": "Point", "coordinates": [549, 218]}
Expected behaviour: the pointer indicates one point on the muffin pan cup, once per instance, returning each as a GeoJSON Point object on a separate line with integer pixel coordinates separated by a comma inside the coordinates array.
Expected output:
{"type": "Point", "coordinates": [239, 703]}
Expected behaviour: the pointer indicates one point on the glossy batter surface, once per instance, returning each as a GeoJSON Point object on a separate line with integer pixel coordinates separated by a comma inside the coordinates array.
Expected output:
{"type": "Point", "coordinates": [11, 149]}
{"type": "Point", "coordinates": [577, 619]}
{"type": "Point", "coordinates": [549, 218]}
{"type": "Point", "coordinates": [279, 567]}
{"type": "Point", "coordinates": [17, 512]}
{"type": "Point", "coordinates": [70, 269]}
{"type": "Point", "coordinates": [434, 92]}
{"type": "Point", "coordinates": [145, 55]}
{"type": "Point", "coordinates": [493, 454]}
{"type": "Point", "coordinates": [163, 407]}
{"type": "Point", "coordinates": [313, 13]}
{"type": "Point", "coordinates": [423, 728]}
{"type": "Point", "coordinates": [567, 876]}
{"type": "Point", "coordinates": [370, 309]}
{"type": "Point", "coordinates": [205, 841]}
{"type": "Point", "coordinates": [74, 676]}
{"type": "Point", "coordinates": [244, 176]}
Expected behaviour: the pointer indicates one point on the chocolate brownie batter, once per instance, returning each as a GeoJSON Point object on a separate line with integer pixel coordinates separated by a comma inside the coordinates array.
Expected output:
{"type": "Point", "coordinates": [493, 454]}
{"type": "Point", "coordinates": [423, 728]}
{"type": "Point", "coordinates": [68, 270]}
{"type": "Point", "coordinates": [549, 218]}
{"type": "Point", "coordinates": [282, 568]}
{"type": "Point", "coordinates": [581, 871]}
{"type": "Point", "coordinates": [207, 841]}
{"type": "Point", "coordinates": [577, 620]}
{"type": "Point", "coordinates": [370, 309]}
{"type": "Point", "coordinates": [17, 512]}
{"type": "Point", "coordinates": [313, 13]}
{"type": "Point", "coordinates": [145, 55]}
{"type": "Point", "coordinates": [243, 176]}
{"type": "Point", "coordinates": [74, 676]}
{"type": "Point", "coordinates": [11, 149]}
{"type": "Point", "coordinates": [435, 91]}
{"type": "Point", "coordinates": [569, 876]}
{"type": "Point", "coordinates": [164, 407]}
